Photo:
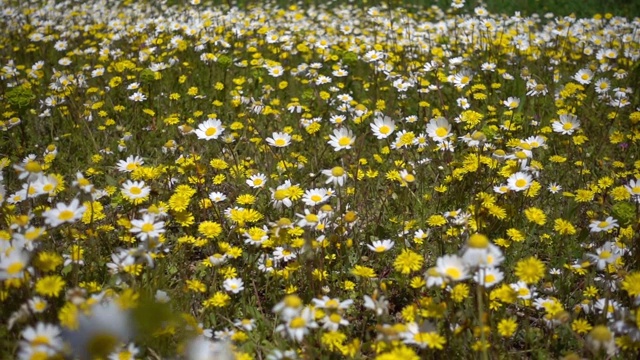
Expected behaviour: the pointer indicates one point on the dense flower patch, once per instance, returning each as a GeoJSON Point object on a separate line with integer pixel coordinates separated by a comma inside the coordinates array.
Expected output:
{"type": "Point", "coordinates": [317, 182]}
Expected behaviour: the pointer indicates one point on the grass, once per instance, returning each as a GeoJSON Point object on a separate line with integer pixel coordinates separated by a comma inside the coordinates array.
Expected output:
{"type": "Point", "coordinates": [341, 181]}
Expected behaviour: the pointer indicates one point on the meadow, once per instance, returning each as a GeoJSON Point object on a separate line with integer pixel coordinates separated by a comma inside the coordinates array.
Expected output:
{"type": "Point", "coordinates": [315, 181]}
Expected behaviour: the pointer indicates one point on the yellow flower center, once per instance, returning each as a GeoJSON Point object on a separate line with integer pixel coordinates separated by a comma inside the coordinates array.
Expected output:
{"type": "Point", "coordinates": [292, 301]}
{"type": "Point", "coordinates": [280, 142]}
{"type": "Point", "coordinates": [344, 141]}
{"type": "Point", "coordinates": [316, 198]}
{"type": "Point", "coordinates": [453, 273]}
{"type": "Point", "coordinates": [605, 254]}
{"type": "Point", "coordinates": [335, 318]}
{"type": "Point", "coordinates": [147, 227]}
{"type": "Point", "coordinates": [15, 268]}
{"type": "Point", "coordinates": [297, 323]}
{"type": "Point", "coordinates": [478, 241]}
{"type": "Point", "coordinates": [32, 167]}
{"type": "Point", "coordinates": [350, 216]}
{"type": "Point", "coordinates": [135, 190]}
{"type": "Point", "coordinates": [257, 181]}
{"type": "Point", "coordinates": [65, 215]}
{"type": "Point", "coordinates": [567, 126]}
{"type": "Point", "coordinates": [40, 340]}
{"type": "Point", "coordinates": [384, 129]}
{"type": "Point", "coordinates": [600, 333]}
{"type": "Point", "coordinates": [521, 183]}
{"type": "Point", "coordinates": [280, 194]}
{"type": "Point", "coordinates": [442, 131]}
{"type": "Point", "coordinates": [339, 171]}
{"type": "Point", "coordinates": [211, 131]}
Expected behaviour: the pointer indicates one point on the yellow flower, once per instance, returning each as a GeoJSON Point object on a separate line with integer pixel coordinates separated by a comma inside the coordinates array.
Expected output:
{"type": "Point", "coordinates": [50, 286]}
{"type": "Point", "coordinates": [408, 261]}
{"type": "Point", "coordinates": [563, 227]}
{"type": "Point", "coordinates": [219, 299]}
{"type": "Point", "coordinates": [507, 327]}
{"type": "Point", "coordinates": [581, 326]}
{"type": "Point", "coordinates": [460, 292]}
{"type": "Point", "coordinates": [210, 229]}
{"type": "Point", "coordinates": [535, 215]}
{"type": "Point", "coordinates": [363, 271]}
{"type": "Point", "coordinates": [530, 270]}
{"type": "Point", "coordinates": [436, 220]}
{"type": "Point", "coordinates": [631, 284]}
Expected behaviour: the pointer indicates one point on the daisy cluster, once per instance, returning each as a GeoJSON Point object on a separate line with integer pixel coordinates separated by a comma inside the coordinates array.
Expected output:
{"type": "Point", "coordinates": [325, 181]}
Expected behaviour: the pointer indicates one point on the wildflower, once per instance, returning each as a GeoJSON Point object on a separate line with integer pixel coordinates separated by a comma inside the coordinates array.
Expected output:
{"type": "Point", "coordinates": [479, 251]}
{"type": "Point", "coordinates": [417, 335]}
{"type": "Point", "coordinates": [584, 76]}
{"type": "Point", "coordinates": [13, 264]}
{"type": "Point", "coordinates": [315, 196]}
{"type": "Point", "coordinates": [451, 267]}
{"type": "Point", "coordinates": [147, 227]}
{"type": "Point", "coordinates": [130, 163]}
{"type": "Point", "coordinates": [507, 327]}
{"type": "Point", "coordinates": [138, 97]}
{"type": "Point", "coordinates": [234, 285]}
{"type": "Point", "coordinates": [50, 285]}
{"type": "Point", "coordinates": [566, 125]}
{"type": "Point", "coordinates": [600, 337]}
{"type": "Point", "coordinates": [210, 129]}
{"type": "Point", "coordinates": [64, 213]}
{"type": "Point", "coordinates": [341, 139]}
{"type": "Point", "coordinates": [380, 246]}
{"type": "Point", "coordinates": [279, 139]}
{"type": "Point", "coordinates": [289, 307]}
{"type": "Point", "coordinates": [408, 261]}
{"type": "Point", "coordinates": [378, 303]}
{"type": "Point", "coordinates": [280, 253]}
{"type": "Point", "coordinates": [511, 102]}
{"type": "Point", "coordinates": [257, 181]}
{"type": "Point", "coordinates": [299, 325]}
{"type": "Point", "coordinates": [631, 284]}
{"type": "Point", "coordinates": [135, 191]}
{"type": "Point", "coordinates": [161, 297]}
{"type": "Point", "coordinates": [604, 225]}
{"type": "Point", "coordinates": [336, 175]}
{"type": "Point", "coordinates": [519, 181]}
{"type": "Point", "coordinates": [633, 188]}
{"type": "Point", "coordinates": [488, 277]}
{"type": "Point", "coordinates": [439, 129]}
{"type": "Point", "coordinates": [210, 229]}
{"type": "Point", "coordinates": [217, 197]}
{"type": "Point", "coordinates": [530, 270]}
{"type": "Point", "coordinates": [382, 127]}
{"type": "Point", "coordinates": [99, 332]}
{"type": "Point", "coordinates": [463, 78]}
{"type": "Point", "coordinates": [46, 336]}
{"type": "Point", "coordinates": [581, 326]}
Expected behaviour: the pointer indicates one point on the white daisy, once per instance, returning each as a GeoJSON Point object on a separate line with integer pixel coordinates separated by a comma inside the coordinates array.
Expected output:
{"type": "Point", "coordinates": [210, 129]}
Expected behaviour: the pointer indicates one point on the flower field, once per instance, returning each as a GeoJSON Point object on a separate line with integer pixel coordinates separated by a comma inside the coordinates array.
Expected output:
{"type": "Point", "coordinates": [317, 182]}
